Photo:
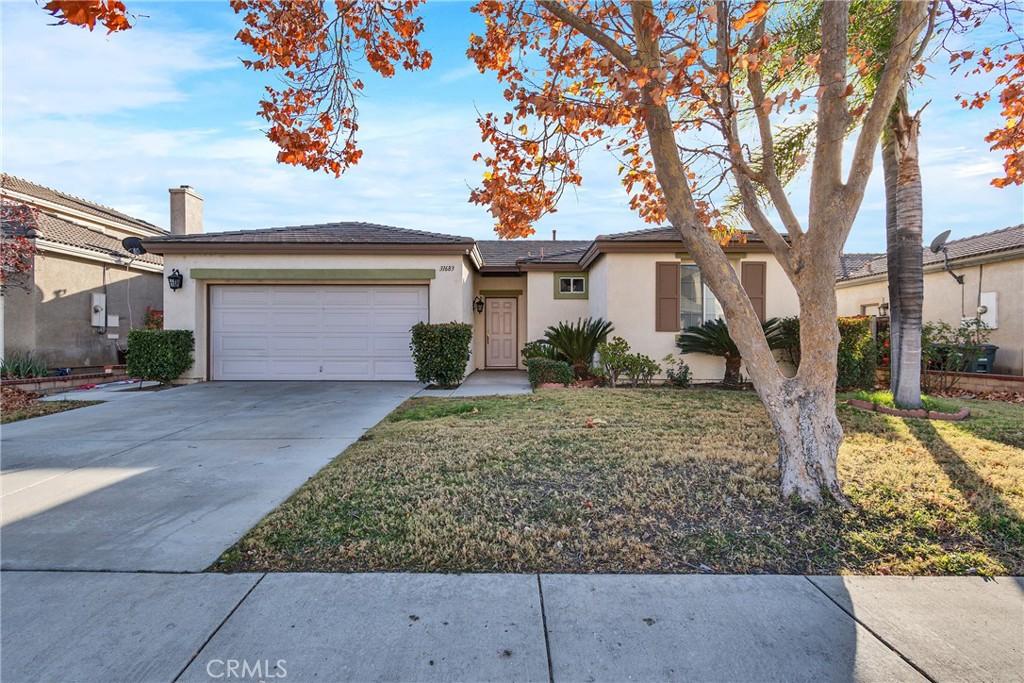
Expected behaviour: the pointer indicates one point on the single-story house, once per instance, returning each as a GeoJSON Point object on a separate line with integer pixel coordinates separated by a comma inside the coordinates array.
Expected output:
{"type": "Point", "coordinates": [84, 291]}
{"type": "Point", "coordinates": [992, 269]}
{"type": "Point", "coordinates": [337, 300]}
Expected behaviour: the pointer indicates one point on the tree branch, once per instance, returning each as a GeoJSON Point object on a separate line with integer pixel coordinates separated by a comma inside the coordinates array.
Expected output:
{"type": "Point", "coordinates": [589, 30]}
{"type": "Point", "coordinates": [833, 117]}
{"type": "Point", "coordinates": [748, 194]}
{"type": "Point", "coordinates": [769, 173]}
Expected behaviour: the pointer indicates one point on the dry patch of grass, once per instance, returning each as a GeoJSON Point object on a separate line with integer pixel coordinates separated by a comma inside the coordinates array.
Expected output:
{"type": "Point", "coordinates": [39, 408]}
{"type": "Point", "coordinates": [667, 481]}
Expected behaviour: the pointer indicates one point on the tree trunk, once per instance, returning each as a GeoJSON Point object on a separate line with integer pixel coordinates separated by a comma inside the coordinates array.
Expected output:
{"type": "Point", "coordinates": [732, 371]}
{"type": "Point", "coordinates": [904, 220]}
{"type": "Point", "coordinates": [809, 435]}
{"type": "Point", "coordinates": [890, 168]}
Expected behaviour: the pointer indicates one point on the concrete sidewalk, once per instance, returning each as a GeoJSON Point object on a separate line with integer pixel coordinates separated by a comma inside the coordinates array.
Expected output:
{"type": "Point", "coordinates": [92, 626]}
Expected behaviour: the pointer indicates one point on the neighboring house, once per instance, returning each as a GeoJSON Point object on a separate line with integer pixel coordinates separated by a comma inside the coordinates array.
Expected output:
{"type": "Point", "coordinates": [992, 266]}
{"type": "Point", "coordinates": [336, 301]}
{"type": "Point", "coordinates": [84, 291]}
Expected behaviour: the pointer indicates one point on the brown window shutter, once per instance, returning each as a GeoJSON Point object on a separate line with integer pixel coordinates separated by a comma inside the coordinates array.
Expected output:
{"type": "Point", "coordinates": [753, 275]}
{"type": "Point", "coordinates": [666, 296]}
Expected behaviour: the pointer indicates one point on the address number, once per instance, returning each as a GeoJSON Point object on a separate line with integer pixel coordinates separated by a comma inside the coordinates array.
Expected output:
{"type": "Point", "coordinates": [447, 269]}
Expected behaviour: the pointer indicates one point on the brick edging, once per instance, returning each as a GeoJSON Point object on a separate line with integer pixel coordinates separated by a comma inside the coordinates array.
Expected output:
{"type": "Point", "coordinates": [919, 413]}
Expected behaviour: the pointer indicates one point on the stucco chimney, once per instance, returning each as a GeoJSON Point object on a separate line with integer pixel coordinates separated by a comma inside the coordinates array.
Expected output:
{"type": "Point", "coordinates": [554, 235]}
{"type": "Point", "coordinates": [186, 211]}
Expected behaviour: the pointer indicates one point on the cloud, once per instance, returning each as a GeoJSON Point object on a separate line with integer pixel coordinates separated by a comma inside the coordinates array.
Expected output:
{"type": "Point", "coordinates": [68, 71]}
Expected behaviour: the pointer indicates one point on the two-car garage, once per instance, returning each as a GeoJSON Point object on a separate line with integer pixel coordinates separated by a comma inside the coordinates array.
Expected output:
{"type": "Point", "coordinates": [313, 332]}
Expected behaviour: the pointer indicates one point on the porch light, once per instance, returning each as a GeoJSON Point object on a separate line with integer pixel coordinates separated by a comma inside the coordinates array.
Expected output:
{"type": "Point", "coordinates": [478, 304]}
{"type": "Point", "coordinates": [175, 280]}
{"type": "Point", "coordinates": [883, 309]}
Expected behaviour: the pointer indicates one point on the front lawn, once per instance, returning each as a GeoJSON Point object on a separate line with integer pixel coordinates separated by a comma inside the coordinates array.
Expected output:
{"type": "Point", "coordinates": [16, 404]}
{"type": "Point", "coordinates": [655, 480]}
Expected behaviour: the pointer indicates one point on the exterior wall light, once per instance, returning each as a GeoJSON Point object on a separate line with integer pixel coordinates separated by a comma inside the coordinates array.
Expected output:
{"type": "Point", "coordinates": [175, 280]}
{"type": "Point", "coordinates": [478, 304]}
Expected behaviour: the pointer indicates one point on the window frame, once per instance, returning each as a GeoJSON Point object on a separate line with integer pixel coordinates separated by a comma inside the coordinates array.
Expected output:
{"type": "Point", "coordinates": [559, 294]}
{"type": "Point", "coordinates": [703, 293]}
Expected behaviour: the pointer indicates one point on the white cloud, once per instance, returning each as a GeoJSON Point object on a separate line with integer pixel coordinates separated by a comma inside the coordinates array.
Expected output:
{"type": "Point", "coordinates": [69, 71]}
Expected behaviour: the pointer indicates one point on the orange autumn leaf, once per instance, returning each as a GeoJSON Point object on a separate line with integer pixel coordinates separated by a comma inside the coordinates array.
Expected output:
{"type": "Point", "coordinates": [752, 16]}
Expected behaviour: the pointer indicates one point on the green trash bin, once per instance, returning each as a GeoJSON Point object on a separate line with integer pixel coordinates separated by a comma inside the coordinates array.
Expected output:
{"type": "Point", "coordinates": [984, 360]}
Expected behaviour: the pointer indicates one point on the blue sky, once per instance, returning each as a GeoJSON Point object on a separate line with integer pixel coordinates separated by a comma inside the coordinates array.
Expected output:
{"type": "Point", "coordinates": [118, 119]}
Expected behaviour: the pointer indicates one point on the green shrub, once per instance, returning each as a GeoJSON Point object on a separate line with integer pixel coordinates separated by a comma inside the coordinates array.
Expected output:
{"type": "Point", "coordinates": [677, 371]}
{"type": "Point", "coordinates": [613, 355]}
{"type": "Point", "coordinates": [548, 371]}
{"type": "Point", "coordinates": [858, 356]}
{"type": "Point", "coordinates": [441, 352]}
{"type": "Point", "coordinates": [539, 348]}
{"type": "Point", "coordinates": [713, 338]}
{"type": "Point", "coordinates": [22, 366]}
{"type": "Point", "coordinates": [641, 369]}
{"type": "Point", "coordinates": [160, 355]}
{"type": "Point", "coordinates": [577, 342]}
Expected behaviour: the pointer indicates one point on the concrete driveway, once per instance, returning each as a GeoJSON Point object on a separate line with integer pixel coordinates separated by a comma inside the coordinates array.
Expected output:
{"type": "Point", "coordinates": [168, 480]}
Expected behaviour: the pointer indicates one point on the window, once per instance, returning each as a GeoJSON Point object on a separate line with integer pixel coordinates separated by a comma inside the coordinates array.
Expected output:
{"type": "Point", "coordinates": [575, 285]}
{"type": "Point", "coordinates": [570, 285]}
{"type": "Point", "coordinates": [697, 304]}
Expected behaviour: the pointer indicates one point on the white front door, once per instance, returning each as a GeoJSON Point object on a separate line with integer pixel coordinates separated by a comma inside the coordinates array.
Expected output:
{"type": "Point", "coordinates": [315, 332]}
{"type": "Point", "coordinates": [501, 333]}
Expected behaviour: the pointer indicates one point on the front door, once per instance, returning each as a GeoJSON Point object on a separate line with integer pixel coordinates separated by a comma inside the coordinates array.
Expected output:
{"type": "Point", "coordinates": [501, 333]}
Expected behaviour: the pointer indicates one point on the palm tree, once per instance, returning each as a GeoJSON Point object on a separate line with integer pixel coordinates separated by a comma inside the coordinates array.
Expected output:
{"type": "Point", "coordinates": [578, 341]}
{"type": "Point", "coordinates": [713, 339]}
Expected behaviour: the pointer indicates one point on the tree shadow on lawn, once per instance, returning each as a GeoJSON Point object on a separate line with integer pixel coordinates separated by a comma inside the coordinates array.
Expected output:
{"type": "Point", "coordinates": [988, 502]}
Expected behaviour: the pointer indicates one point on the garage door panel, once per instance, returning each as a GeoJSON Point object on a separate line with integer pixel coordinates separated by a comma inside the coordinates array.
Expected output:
{"type": "Point", "coordinates": [404, 297]}
{"type": "Point", "coordinates": [326, 332]}
{"type": "Point", "coordinates": [293, 321]}
{"type": "Point", "coordinates": [241, 319]}
{"type": "Point", "coordinates": [242, 344]}
{"type": "Point", "coordinates": [346, 320]}
{"type": "Point", "coordinates": [347, 296]}
{"type": "Point", "coordinates": [242, 296]}
{"type": "Point", "coordinates": [305, 346]}
{"type": "Point", "coordinates": [391, 346]}
{"type": "Point", "coordinates": [399, 321]}
{"type": "Point", "coordinates": [340, 345]}
{"type": "Point", "coordinates": [352, 369]}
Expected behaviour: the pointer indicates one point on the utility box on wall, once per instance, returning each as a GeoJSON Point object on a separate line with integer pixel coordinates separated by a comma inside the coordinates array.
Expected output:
{"type": "Point", "coordinates": [99, 310]}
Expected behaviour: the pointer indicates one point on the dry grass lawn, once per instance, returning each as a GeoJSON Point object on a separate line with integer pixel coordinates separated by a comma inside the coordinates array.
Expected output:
{"type": "Point", "coordinates": [664, 481]}
{"type": "Point", "coordinates": [40, 408]}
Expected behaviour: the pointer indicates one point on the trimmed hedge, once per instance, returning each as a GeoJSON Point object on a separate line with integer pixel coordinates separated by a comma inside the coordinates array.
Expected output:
{"type": "Point", "coordinates": [441, 352]}
{"type": "Point", "coordinates": [858, 356]}
{"type": "Point", "coordinates": [160, 355]}
{"type": "Point", "coordinates": [548, 371]}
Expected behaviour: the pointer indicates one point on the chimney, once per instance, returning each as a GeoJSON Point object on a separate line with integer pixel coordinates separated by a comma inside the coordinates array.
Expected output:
{"type": "Point", "coordinates": [554, 235]}
{"type": "Point", "coordinates": [186, 211]}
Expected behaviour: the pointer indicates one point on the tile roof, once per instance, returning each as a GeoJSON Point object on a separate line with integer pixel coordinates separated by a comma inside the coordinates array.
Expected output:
{"type": "Point", "coordinates": [16, 184]}
{"type": "Point", "coordinates": [852, 262]}
{"type": "Point", "coordinates": [54, 229]}
{"type": "Point", "coordinates": [976, 245]}
{"type": "Point", "coordinates": [346, 232]}
{"type": "Point", "coordinates": [660, 234]}
{"type": "Point", "coordinates": [506, 253]}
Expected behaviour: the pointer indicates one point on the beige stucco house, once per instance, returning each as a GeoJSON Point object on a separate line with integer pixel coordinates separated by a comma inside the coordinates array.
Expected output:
{"type": "Point", "coordinates": [84, 291]}
{"type": "Point", "coordinates": [337, 300]}
{"type": "Point", "coordinates": [992, 267]}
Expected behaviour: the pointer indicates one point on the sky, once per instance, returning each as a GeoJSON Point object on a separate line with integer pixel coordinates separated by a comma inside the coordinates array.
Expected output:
{"type": "Point", "coordinates": [119, 119]}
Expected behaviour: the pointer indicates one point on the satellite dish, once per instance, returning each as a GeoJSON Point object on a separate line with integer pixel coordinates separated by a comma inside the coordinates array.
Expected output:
{"type": "Point", "coordinates": [133, 245]}
{"type": "Point", "coordinates": [939, 242]}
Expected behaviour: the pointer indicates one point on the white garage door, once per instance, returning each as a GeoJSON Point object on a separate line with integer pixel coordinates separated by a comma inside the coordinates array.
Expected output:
{"type": "Point", "coordinates": [330, 332]}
